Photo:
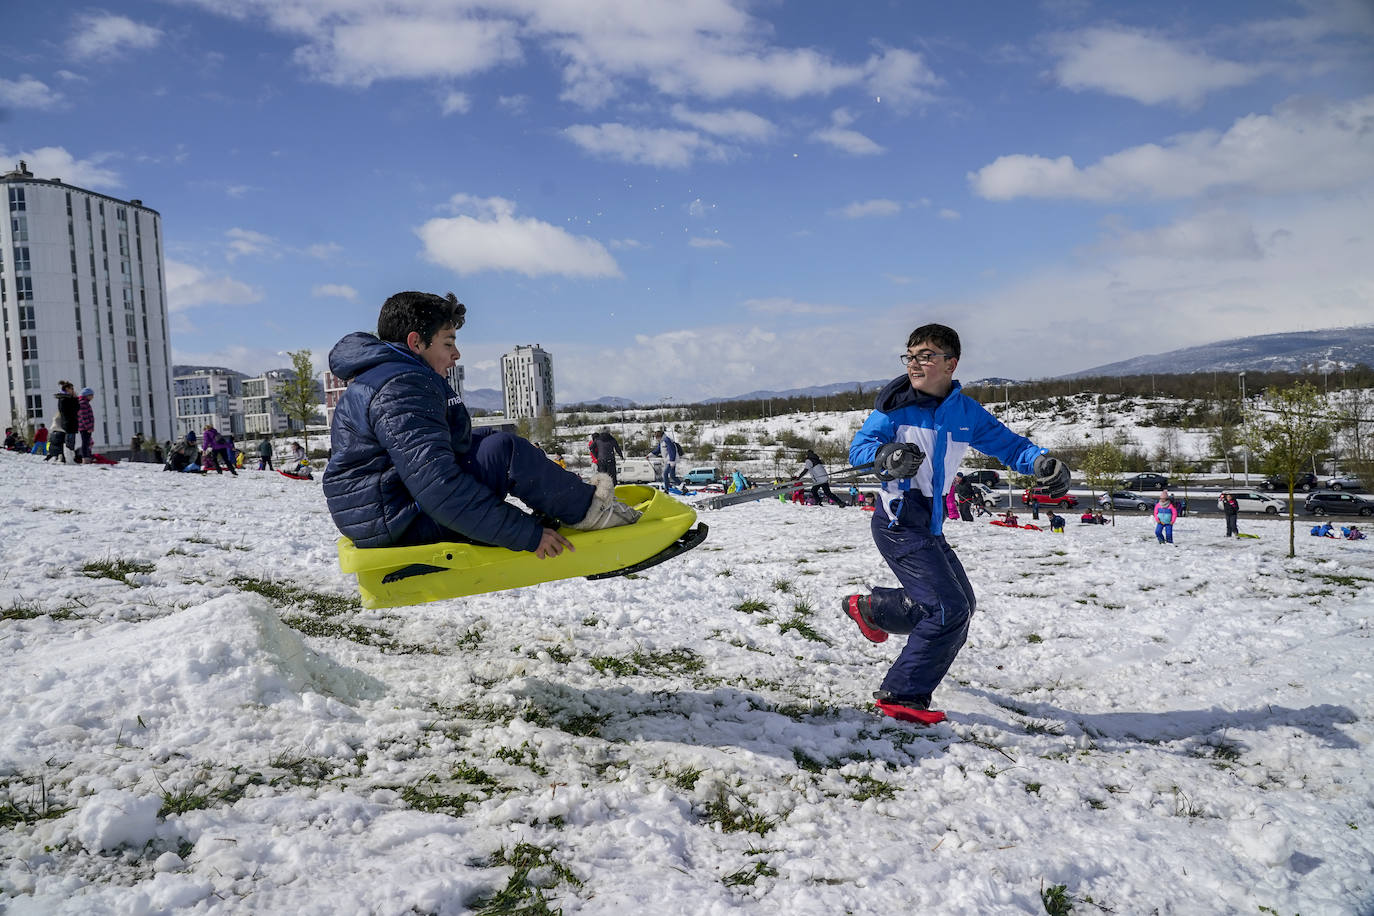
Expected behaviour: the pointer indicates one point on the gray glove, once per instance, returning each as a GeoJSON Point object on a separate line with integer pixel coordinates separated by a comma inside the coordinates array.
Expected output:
{"type": "Point", "coordinates": [896, 460]}
{"type": "Point", "coordinates": [1052, 475]}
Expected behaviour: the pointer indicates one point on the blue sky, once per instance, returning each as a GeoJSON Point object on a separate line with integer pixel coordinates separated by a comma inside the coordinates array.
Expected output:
{"type": "Point", "coordinates": [701, 197]}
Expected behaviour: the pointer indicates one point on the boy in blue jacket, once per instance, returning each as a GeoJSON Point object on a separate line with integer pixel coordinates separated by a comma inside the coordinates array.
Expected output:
{"type": "Point", "coordinates": [408, 468]}
{"type": "Point", "coordinates": [916, 437]}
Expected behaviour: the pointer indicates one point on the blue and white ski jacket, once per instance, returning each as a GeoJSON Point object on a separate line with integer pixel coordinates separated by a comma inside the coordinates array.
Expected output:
{"type": "Point", "coordinates": [944, 428]}
{"type": "Point", "coordinates": [398, 433]}
{"type": "Point", "coordinates": [667, 447]}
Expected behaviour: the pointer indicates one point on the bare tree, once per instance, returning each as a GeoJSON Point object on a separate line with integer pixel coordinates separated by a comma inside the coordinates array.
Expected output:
{"type": "Point", "coordinates": [1100, 468]}
{"type": "Point", "coordinates": [1286, 434]}
{"type": "Point", "coordinates": [297, 397]}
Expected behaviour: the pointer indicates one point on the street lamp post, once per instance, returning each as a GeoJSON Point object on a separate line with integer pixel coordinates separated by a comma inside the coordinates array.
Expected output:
{"type": "Point", "coordinates": [1245, 449]}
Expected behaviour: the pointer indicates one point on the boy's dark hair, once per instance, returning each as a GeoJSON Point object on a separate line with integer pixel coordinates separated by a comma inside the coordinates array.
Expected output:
{"type": "Point", "coordinates": [424, 313]}
{"type": "Point", "coordinates": [946, 338]}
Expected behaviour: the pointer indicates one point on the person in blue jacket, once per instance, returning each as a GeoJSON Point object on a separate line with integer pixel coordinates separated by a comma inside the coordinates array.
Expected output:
{"type": "Point", "coordinates": [665, 446]}
{"type": "Point", "coordinates": [916, 438]}
{"type": "Point", "coordinates": [408, 468]}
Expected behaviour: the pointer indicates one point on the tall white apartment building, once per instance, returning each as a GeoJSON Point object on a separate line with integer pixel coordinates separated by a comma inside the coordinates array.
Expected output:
{"type": "Point", "coordinates": [527, 382]}
{"type": "Point", "coordinates": [83, 300]}
{"type": "Point", "coordinates": [209, 397]}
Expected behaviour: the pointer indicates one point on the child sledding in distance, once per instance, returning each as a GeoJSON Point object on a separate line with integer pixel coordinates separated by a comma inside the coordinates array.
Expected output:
{"type": "Point", "coordinates": [916, 439]}
{"type": "Point", "coordinates": [408, 467]}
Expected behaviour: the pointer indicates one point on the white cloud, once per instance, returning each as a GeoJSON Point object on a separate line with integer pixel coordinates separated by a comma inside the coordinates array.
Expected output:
{"type": "Point", "coordinates": [861, 209]}
{"type": "Point", "coordinates": [455, 102]}
{"type": "Point", "coordinates": [1215, 235]}
{"type": "Point", "coordinates": [406, 44]}
{"type": "Point", "coordinates": [1303, 146]}
{"type": "Point", "coordinates": [842, 138]}
{"type": "Point", "coordinates": [625, 244]}
{"type": "Point", "coordinates": [189, 286]}
{"type": "Point", "coordinates": [336, 290]}
{"type": "Point", "coordinates": [699, 242]}
{"type": "Point", "coordinates": [488, 236]}
{"type": "Point", "coordinates": [947, 213]}
{"type": "Point", "coordinates": [27, 92]}
{"type": "Point", "coordinates": [247, 242]}
{"type": "Point", "coordinates": [900, 77]}
{"type": "Point", "coordinates": [698, 208]}
{"type": "Point", "coordinates": [515, 104]}
{"type": "Point", "coordinates": [56, 162]}
{"type": "Point", "coordinates": [657, 147]}
{"type": "Point", "coordinates": [324, 250]}
{"type": "Point", "coordinates": [734, 124]}
{"type": "Point", "coordinates": [711, 50]}
{"type": "Point", "coordinates": [784, 306]}
{"type": "Point", "coordinates": [101, 35]}
{"type": "Point", "coordinates": [1142, 66]}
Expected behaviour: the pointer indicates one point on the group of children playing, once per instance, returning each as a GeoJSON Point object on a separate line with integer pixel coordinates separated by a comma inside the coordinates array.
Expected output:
{"type": "Point", "coordinates": [1325, 530]}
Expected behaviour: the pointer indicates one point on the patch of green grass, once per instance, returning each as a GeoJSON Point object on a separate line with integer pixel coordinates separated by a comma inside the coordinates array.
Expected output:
{"type": "Point", "coordinates": [323, 615]}
{"type": "Point", "coordinates": [524, 756]}
{"type": "Point", "coordinates": [733, 815]}
{"type": "Point", "coordinates": [587, 725]}
{"type": "Point", "coordinates": [866, 787]}
{"type": "Point", "coordinates": [15, 813]}
{"type": "Point", "coordinates": [285, 594]}
{"type": "Point", "coordinates": [686, 780]}
{"type": "Point", "coordinates": [673, 661]}
{"type": "Point", "coordinates": [1349, 581]}
{"type": "Point", "coordinates": [471, 638]}
{"type": "Point", "coordinates": [726, 573]}
{"type": "Point", "coordinates": [807, 763]}
{"type": "Point", "coordinates": [752, 606]}
{"type": "Point", "coordinates": [473, 776]}
{"type": "Point", "coordinates": [206, 794]}
{"type": "Point", "coordinates": [30, 610]}
{"type": "Point", "coordinates": [782, 585]}
{"type": "Point", "coordinates": [746, 876]}
{"type": "Point", "coordinates": [117, 569]}
{"type": "Point", "coordinates": [533, 870]}
{"type": "Point", "coordinates": [798, 624]}
{"type": "Point", "coordinates": [419, 796]}
{"type": "Point", "coordinates": [1034, 638]}
{"type": "Point", "coordinates": [1032, 788]}
{"type": "Point", "coordinates": [1043, 727]}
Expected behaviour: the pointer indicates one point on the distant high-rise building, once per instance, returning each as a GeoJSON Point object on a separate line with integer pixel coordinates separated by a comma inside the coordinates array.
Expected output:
{"type": "Point", "coordinates": [527, 382]}
{"type": "Point", "coordinates": [262, 415]}
{"type": "Point", "coordinates": [83, 298]}
{"type": "Point", "coordinates": [209, 397]}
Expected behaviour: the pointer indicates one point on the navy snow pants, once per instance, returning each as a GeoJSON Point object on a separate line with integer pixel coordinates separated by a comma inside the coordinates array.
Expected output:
{"type": "Point", "coordinates": [934, 605]}
{"type": "Point", "coordinates": [511, 466]}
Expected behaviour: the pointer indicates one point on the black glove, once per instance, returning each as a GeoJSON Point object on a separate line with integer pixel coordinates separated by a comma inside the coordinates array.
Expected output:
{"type": "Point", "coordinates": [1052, 475]}
{"type": "Point", "coordinates": [895, 460]}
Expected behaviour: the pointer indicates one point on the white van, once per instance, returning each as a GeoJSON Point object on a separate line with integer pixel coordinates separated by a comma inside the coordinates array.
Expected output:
{"type": "Point", "coordinates": [1255, 501]}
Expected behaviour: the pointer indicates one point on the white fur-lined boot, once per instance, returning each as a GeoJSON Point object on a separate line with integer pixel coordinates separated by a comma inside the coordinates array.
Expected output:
{"type": "Point", "coordinates": [606, 511]}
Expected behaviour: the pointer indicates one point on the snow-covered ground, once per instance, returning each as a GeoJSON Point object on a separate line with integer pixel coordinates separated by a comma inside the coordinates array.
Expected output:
{"type": "Point", "coordinates": [196, 716]}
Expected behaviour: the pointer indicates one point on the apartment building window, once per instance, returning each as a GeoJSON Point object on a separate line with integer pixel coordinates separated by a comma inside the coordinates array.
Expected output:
{"type": "Point", "coordinates": [27, 319]}
{"type": "Point", "coordinates": [21, 258]}
{"type": "Point", "coordinates": [130, 326]}
{"type": "Point", "coordinates": [133, 352]}
{"type": "Point", "coordinates": [17, 202]}
{"type": "Point", "coordinates": [23, 288]}
{"type": "Point", "coordinates": [19, 228]}
{"type": "Point", "coordinates": [31, 380]}
{"type": "Point", "coordinates": [28, 347]}
{"type": "Point", "coordinates": [33, 404]}
{"type": "Point", "coordinates": [123, 244]}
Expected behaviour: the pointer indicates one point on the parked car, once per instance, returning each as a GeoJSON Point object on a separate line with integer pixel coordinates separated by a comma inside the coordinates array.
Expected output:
{"type": "Point", "coordinates": [1125, 499]}
{"type": "Point", "coordinates": [1145, 482]}
{"type": "Point", "coordinates": [1336, 503]}
{"type": "Point", "coordinates": [702, 476]}
{"type": "Point", "coordinates": [1303, 482]}
{"type": "Point", "coordinates": [1253, 501]}
{"type": "Point", "coordinates": [1344, 482]}
{"type": "Point", "coordinates": [1042, 496]}
{"type": "Point", "coordinates": [987, 495]}
{"type": "Point", "coordinates": [985, 477]}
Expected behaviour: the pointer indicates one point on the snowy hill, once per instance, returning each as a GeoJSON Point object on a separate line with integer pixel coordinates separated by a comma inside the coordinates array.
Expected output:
{"type": "Point", "coordinates": [1326, 350]}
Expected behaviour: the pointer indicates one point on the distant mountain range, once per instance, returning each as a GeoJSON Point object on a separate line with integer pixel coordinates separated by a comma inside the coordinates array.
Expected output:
{"type": "Point", "coordinates": [1327, 350]}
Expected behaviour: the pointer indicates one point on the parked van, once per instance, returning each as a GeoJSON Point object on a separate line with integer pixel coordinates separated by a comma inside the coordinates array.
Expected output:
{"type": "Point", "coordinates": [702, 476]}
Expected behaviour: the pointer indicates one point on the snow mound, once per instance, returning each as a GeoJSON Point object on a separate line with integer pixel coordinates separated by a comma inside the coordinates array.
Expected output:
{"type": "Point", "coordinates": [172, 679]}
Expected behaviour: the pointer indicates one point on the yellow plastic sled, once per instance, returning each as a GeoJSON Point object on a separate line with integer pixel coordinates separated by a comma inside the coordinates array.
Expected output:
{"type": "Point", "coordinates": [397, 576]}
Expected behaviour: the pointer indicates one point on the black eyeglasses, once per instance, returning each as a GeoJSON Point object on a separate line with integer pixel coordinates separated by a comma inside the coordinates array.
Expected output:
{"type": "Point", "coordinates": [922, 357]}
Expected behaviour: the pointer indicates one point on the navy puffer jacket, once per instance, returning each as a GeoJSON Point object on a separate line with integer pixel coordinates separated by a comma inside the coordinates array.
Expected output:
{"type": "Point", "coordinates": [398, 435]}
